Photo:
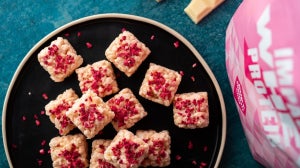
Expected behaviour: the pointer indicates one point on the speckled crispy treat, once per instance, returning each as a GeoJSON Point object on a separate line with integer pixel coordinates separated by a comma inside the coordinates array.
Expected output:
{"type": "Point", "coordinates": [126, 150]}
{"type": "Point", "coordinates": [191, 110]}
{"type": "Point", "coordinates": [59, 59]}
{"type": "Point", "coordinates": [97, 156]}
{"type": "Point", "coordinates": [160, 84]}
{"type": "Point", "coordinates": [90, 114]}
{"type": "Point", "coordinates": [159, 147]}
{"type": "Point", "coordinates": [128, 110]}
{"type": "Point", "coordinates": [56, 110]}
{"type": "Point", "coordinates": [69, 151]}
{"type": "Point", "coordinates": [127, 53]}
{"type": "Point", "coordinates": [98, 77]}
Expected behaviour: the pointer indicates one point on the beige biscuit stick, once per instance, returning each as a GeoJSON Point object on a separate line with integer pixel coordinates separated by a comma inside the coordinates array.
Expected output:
{"type": "Point", "coordinates": [198, 9]}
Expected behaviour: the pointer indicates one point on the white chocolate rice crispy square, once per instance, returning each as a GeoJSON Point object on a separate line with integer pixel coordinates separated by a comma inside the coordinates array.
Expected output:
{"type": "Point", "coordinates": [90, 114]}
{"type": "Point", "coordinates": [69, 151]}
{"type": "Point", "coordinates": [191, 110]}
{"type": "Point", "coordinates": [126, 150]}
{"type": "Point", "coordinates": [99, 77]}
{"type": "Point", "coordinates": [59, 59]}
{"type": "Point", "coordinates": [127, 108]}
{"type": "Point", "coordinates": [160, 84]}
{"type": "Point", "coordinates": [159, 147]}
{"type": "Point", "coordinates": [127, 53]}
{"type": "Point", "coordinates": [97, 157]}
{"type": "Point", "coordinates": [56, 110]}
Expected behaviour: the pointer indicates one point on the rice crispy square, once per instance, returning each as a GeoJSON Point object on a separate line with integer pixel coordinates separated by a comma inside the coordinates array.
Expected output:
{"type": "Point", "coordinates": [59, 59]}
{"type": "Point", "coordinates": [90, 114]}
{"type": "Point", "coordinates": [62, 147]}
{"type": "Point", "coordinates": [159, 147]}
{"type": "Point", "coordinates": [191, 110]}
{"type": "Point", "coordinates": [56, 110]}
{"type": "Point", "coordinates": [127, 53]}
{"type": "Point", "coordinates": [127, 108]}
{"type": "Point", "coordinates": [126, 150]}
{"type": "Point", "coordinates": [160, 84]}
{"type": "Point", "coordinates": [97, 157]}
{"type": "Point", "coordinates": [99, 77]}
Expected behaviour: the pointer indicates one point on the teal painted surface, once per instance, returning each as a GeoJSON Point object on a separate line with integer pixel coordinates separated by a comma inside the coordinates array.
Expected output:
{"type": "Point", "coordinates": [24, 23]}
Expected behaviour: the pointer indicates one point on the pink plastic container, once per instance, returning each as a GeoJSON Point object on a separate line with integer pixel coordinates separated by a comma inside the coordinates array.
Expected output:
{"type": "Point", "coordinates": [263, 65]}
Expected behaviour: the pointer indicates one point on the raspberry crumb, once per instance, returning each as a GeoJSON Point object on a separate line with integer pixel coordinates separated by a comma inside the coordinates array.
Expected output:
{"type": "Point", "coordinates": [42, 151]}
{"type": "Point", "coordinates": [24, 118]}
{"type": "Point", "coordinates": [152, 37]}
{"type": "Point", "coordinates": [37, 123]}
{"type": "Point", "coordinates": [181, 73]}
{"type": "Point", "coordinates": [203, 164]}
{"type": "Point", "coordinates": [178, 157]}
{"type": "Point", "coordinates": [78, 34]}
{"type": "Point", "coordinates": [67, 34]}
{"type": "Point", "coordinates": [35, 116]}
{"type": "Point", "coordinates": [42, 112]}
{"type": "Point", "coordinates": [43, 142]}
{"type": "Point", "coordinates": [123, 29]}
{"type": "Point", "coordinates": [193, 78]}
{"type": "Point", "coordinates": [45, 96]}
{"type": "Point", "coordinates": [14, 146]}
{"type": "Point", "coordinates": [40, 162]}
{"type": "Point", "coordinates": [88, 45]}
{"type": "Point", "coordinates": [194, 65]}
{"type": "Point", "coordinates": [176, 44]}
{"type": "Point", "coordinates": [205, 148]}
{"type": "Point", "coordinates": [194, 162]}
{"type": "Point", "coordinates": [190, 145]}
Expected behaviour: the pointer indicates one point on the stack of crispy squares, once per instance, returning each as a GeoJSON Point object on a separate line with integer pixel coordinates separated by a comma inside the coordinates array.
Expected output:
{"type": "Point", "coordinates": [159, 147]}
{"type": "Point", "coordinates": [191, 110]}
{"type": "Point", "coordinates": [98, 77]}
{"type": "Point", "coordinates": [97, 156]}
{"type": "Point", "coordinates": [127, 53]}
{"type": "Point", "coordinates": [126, 150]}
{"type": "Point", "coordinates": [160, 84]}
{"type": "Point", "coordinates": [90, 114]}
{"type": "Point", "coordinates": [56, 110]}
{"type": "Point", "coordinates": [69, 151]}
{"type": "Point", "coordinates": [59, 59]}
{"type": "Point", "coordinates": [127, 108]}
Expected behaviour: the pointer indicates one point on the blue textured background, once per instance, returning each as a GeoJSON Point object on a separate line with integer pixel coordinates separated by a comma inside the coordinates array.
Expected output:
{"type": "Point", "coordinates": [24, 23]}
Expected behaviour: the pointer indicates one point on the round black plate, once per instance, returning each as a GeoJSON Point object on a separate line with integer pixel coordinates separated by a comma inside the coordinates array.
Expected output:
{"type": "Point", "coordinates": [24, 104]}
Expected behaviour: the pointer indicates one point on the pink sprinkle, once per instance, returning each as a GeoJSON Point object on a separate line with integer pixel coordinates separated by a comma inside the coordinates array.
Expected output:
{"type": "Point", "coordinates": [88, 45]}
{"type": "Point", "coordinates": [176, 44]}
{"type": "Point", "coordinates": [123, 29]}
{"type": "Point", "coordinates": [152, 37]}
{"type": "Point", "coordinates": [78, 34]}
{"type": "Point", "coordinates": [190, 146]}
{"type": "Point", "coordinates": [205, 148]}
{"type": "Point", "coordinates": [40, 162]}
{"type": "Point", "coordinates": [194, 162]}
{"type": "Point", "coordinates": [181, 73]}
{"type": "Point", "coordinates": [42, 112]}
{"type": "Point", "coordinates": [24, 118]}
{"type": "Point", "coordinates": [43, 142]}
{"type": "Point", "coordinates": [37, 123]}
{"type": "Point", "coordinates": [42, 151]}
{"type": "Point", "coordinates": [45, 96]}
{"type": "Point", "coordinates": [67, 34]}
{"type": "Point", "coordinates": [193, 78]}
{"type": "Point", "coordinates": [194, 65]}
{"type": "Point", "coordinates": [178, 157]}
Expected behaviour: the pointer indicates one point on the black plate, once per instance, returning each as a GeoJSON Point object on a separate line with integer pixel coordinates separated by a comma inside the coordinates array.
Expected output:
{"type": "Point", "coordinates": [24, 101]}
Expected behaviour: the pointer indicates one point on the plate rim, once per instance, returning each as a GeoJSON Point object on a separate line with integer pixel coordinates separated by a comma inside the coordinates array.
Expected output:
{"type": "Point", "coordinates": [120, 16]}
